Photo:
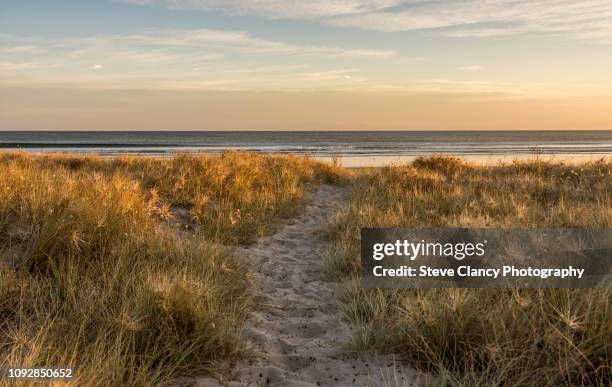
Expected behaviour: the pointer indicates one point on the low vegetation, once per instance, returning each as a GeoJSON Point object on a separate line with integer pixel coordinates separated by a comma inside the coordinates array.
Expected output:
{"type": "Point", "coordinates": [233, 198]}
{"type": "Point", "coordinates": [481, 336]}
{"type": "Point", "coordinates": [95, 276]}
{"type": "Point", "coordinates": [122, 268]}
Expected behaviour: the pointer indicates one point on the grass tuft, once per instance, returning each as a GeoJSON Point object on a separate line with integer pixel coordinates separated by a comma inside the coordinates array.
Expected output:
{"type": "Point", "coordinates": [481, 336]}
{"type": "Point", "coordinates": [118, 267]}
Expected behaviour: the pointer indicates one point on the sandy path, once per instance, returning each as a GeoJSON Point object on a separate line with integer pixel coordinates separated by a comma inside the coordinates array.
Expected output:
{"type": "Point", "coordinates": [297, 334]}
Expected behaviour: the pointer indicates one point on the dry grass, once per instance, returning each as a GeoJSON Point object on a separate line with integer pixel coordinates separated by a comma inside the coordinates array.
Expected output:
{"type": "Point", "coordinates": [233, 198]}
{"type": "Point", "coordinates": [482, 336]}
{"type": "Point", "coordinates": [91, 279]}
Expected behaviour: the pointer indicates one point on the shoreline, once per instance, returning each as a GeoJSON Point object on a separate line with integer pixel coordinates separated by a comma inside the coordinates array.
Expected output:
{"type": "Point", "coordinates": [357, 161]}
{"type": "Point", "coordinates": [483, 160]}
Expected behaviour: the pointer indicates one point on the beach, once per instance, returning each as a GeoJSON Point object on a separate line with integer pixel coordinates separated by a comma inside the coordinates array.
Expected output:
{"type": "Point", "coordinates": [351, 149]}
{"type": "Point", "coordinates": [282, 193]}
{"type": "Point", "coordinates": [242, 269]}
{"type": "Point", "coordinates": [349, 161]}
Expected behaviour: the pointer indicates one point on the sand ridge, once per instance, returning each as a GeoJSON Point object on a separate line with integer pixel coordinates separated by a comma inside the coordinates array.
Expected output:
{"type": "Point", "coordinates": [296, 333]}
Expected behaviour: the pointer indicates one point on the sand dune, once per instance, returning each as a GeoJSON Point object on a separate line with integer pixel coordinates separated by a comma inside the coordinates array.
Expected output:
{"type": "Point", "coordinates": [297, 334]}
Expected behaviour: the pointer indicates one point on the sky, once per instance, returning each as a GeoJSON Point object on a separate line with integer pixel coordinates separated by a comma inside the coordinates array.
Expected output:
{"type": "Point", "coordinates": [305, 65]}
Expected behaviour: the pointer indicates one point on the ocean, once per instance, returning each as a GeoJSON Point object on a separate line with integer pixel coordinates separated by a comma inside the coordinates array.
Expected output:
{"type": "Point", "coordinates": [348, 145]}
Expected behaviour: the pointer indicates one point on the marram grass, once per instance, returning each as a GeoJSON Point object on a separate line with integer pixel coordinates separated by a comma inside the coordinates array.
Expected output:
{"type": "Point", "coordinates": [94, 276]}
{"type": "Point", "coordinates": [481, 336]}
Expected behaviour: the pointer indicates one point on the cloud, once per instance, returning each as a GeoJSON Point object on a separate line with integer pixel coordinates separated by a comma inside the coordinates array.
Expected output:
{"type": "Point", "coordinates": [582, 19]}
{"type": "Point", "coordinates": [577, 19]}
{"type": "Point", "coordinates": [166, 58]}
{"type": "Point", "coordinates": [471, 68]}
{"type": "Point", "coordinates": [19, 49]}
{"type": "Point", "coordinates": [17, 66]}
{"type": "Point", "coordinates": [217, 41]}
{"type": "Point", "coordinates": [287, 9]}
{"type": "Point", "coordinates": [511, 90]}
{"type": "Point", "coordinates": [485, 32]}
{"type": "Point", "coordinates": [343, 74]}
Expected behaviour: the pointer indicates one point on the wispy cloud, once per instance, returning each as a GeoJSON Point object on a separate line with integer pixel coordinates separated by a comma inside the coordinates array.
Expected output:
{"type": "Point", "coordinates": [471, 68]}
{"type": "Point", "coordinates": [511, 90]}
{"type": "Point", "coordinates": [293, 9]}
{"type": "Point", "coordinates": [17, 66]}
{"type": "Point", "coordinates": [216, 42]}
{"type": "Point", "coordinates": [582, 19]}
{"type": "Point", "coordinates": [202, 43]}
{"type": "Point", "coordinates": [169, 57]}
{"type": "Point", "coordinates": [577, 19]}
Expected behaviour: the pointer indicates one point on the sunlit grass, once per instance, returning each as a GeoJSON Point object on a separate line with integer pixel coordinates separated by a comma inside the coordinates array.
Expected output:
{"type": "Point", "coordinates": [481, 336]}
{"type": "Point", "coordinates": [232, 198]}
{"type": "Point", "coordinates": [95, 276]}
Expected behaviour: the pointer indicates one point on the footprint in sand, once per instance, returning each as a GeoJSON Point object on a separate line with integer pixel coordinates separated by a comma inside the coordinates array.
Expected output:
{"type": "Point", "coordinates": [298, 336]}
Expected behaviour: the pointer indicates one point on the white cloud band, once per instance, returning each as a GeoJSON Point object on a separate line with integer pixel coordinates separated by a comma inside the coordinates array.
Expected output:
{"type": "Point", "coordinates": [578, 19]}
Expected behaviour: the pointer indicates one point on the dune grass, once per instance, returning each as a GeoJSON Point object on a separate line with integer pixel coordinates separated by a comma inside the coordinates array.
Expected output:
{"type": "Point", "coordinates": [94, 275]}
{"type": "Point", "coordinates": [481, 336]}
{"type": "Point", "coordinates": [235, 198]}
{"type": "Point", "coordinates": [122, 268]}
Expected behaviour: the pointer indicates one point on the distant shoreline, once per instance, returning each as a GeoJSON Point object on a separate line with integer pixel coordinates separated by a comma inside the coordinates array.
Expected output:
{"type": "Point", "coordinates": [354, 149]}
{"type": "Point", "coordinates": [360, 161]}
{"type": "Point", "coordinates": [486, 160]}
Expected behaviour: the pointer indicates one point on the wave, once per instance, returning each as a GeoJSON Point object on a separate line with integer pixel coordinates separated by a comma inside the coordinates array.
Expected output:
{"type": "Point", "coordinates": [313, 143]}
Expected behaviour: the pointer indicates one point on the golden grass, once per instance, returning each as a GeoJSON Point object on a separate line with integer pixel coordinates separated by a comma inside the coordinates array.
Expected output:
{"type": "Point", "coordinates": [481, 336]}
{"type": "Point", "coordinates": [95, 276]}
{"type": "Point", "coordinates": [90, 278]}
{"type": "Point", "coordinates": [235, 197]}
